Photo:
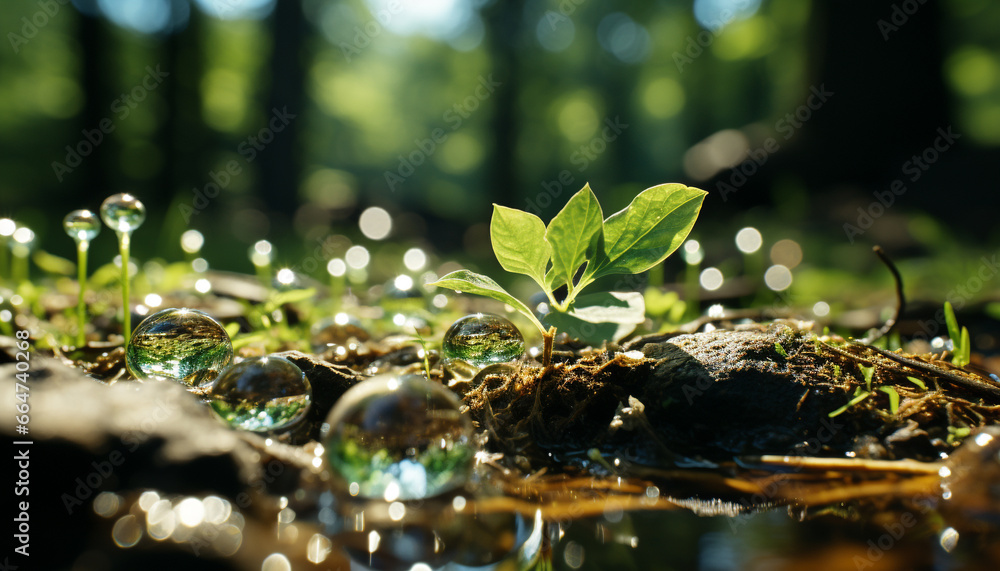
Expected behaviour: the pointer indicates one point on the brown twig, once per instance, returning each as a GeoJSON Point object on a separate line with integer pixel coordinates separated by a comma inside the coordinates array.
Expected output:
{"type": "Point", "coordinates": [900, 299]}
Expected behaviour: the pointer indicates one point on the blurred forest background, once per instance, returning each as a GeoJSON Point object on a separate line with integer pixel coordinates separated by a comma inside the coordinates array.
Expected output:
{"type": "Point", "coordinates": [285, 119]}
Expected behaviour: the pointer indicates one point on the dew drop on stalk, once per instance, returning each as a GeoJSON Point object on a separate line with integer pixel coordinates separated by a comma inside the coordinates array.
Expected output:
{"type": "Point", "coordinates": [123, 213]}
{"type": "Point", "coordinates": [183, 345]}
{"type": "Point", "coordinates": [82, 225]}
{"type": "Point", "coordinates": [398, 438]}
{"type": "Point", "coordinates": [482, 339]}
{"type": "Point", "coordinates": [261, 394]}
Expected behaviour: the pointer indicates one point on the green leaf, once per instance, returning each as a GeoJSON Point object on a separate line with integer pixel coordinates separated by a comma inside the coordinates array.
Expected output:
{"type": "Point", "coordinates": [867, 372]}
{"type": "Point", "coordinates": [649, 229]}
{"type": "Point", "coordinates": [917, 382]}
{"type": "Point", "coordinates": [858, 397]}
{"type": "Point", "coordinates": [953, 332]}
{"type": "Point", "coordinates": [471, 282]}
{"type": "Point", "coordinates": [601, 317]}
{"type": "Point", "coordinates": [893, 398]}
{"type": "Point", "coordinates": [574, 235]}
{"type": "Point", "coordinates": [518, 239]}
{"type": "Point", "coordinates": [781, 350]}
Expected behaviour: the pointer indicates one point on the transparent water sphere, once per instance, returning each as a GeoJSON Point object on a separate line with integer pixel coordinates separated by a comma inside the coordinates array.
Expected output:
{"type": "Point", "coordinates": [399, 438]}
{"type": "Point", "coordinates": [482, 339]}
{"type": "Point", "coordinates": [261, 394]}
{"type": "Point", "coordinates": [82, 225]}
{"type": "Point", "coordinates": [183, 345]}
{"type": "Point", "coordinates": [123, 212]}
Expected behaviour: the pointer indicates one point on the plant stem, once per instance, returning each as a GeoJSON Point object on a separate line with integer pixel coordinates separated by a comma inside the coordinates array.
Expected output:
{"type": "Point", "coordinates": [81, 280]}
{"type": "Point", "coordinates": [124, 238]}
{"type": "Point", "coordinates": [547, 338]}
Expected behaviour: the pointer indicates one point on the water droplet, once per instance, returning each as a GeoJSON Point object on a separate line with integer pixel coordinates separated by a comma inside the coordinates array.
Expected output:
{"type": "Point", "coordinates": [184, 345]}
{"type": "Point", "coordinates": [483, 338]}
{"type": "Point", "coordinates": [82, 225]}
{"type": "Point", "coordinates": [123, 213]}
{"type": "Point", "coordinates": [399, 438]}
{"type": "Point", "coordinates": [262, 394]}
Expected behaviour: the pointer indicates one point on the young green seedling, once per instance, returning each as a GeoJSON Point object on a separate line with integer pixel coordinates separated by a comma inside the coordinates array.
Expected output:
{"type": "Point", "coordinates": [82, 226]}
{"type": "Point", "coordinates": [961, 345]}
{"type": "Point", "coordinates": [579, 246]}
{"type": "Point", "coordinates": [123, 213]}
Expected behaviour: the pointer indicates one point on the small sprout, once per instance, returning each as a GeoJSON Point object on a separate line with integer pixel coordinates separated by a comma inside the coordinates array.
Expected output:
{"type": "Point", "coordinates": [579, 246]}
{"type": "Point", "coordinates": [961, 345]}
{"type": "Point", "coordinates": [836, 371]}
{"type": "Point", "coordinates": [781, 350]}
{"type": "Point", "coordinates": [868, 372]}
{"type": "Point", "coordinates": [917, 382]}
{"type": "Point", "coordinates": [123, 213]}
{"type": "Point", "coordinates": [964, 357]}
{"type": "Point", "coordinates": [82, 226]}
{"type": "Point", "coordinates": [859, 395]}
{"type": "Point", "coordinates": [893, 398]}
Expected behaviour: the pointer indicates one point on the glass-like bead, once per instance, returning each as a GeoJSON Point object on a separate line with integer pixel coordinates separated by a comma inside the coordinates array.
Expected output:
{"type": "Point", "coordinates": [482, 339]}
{"type": "Point", "coordinates": [399, 437]}
{"type": "Point", "coordinates": [184, 345]}
{"type": "Point", "coordinates": [261, 394]}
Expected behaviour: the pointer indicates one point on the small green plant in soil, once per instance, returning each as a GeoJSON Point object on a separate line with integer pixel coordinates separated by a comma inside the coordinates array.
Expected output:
{"type": "Point", "coordinates": [580, 246]}
{"type": "Point", "coordinates": [960, 340]}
